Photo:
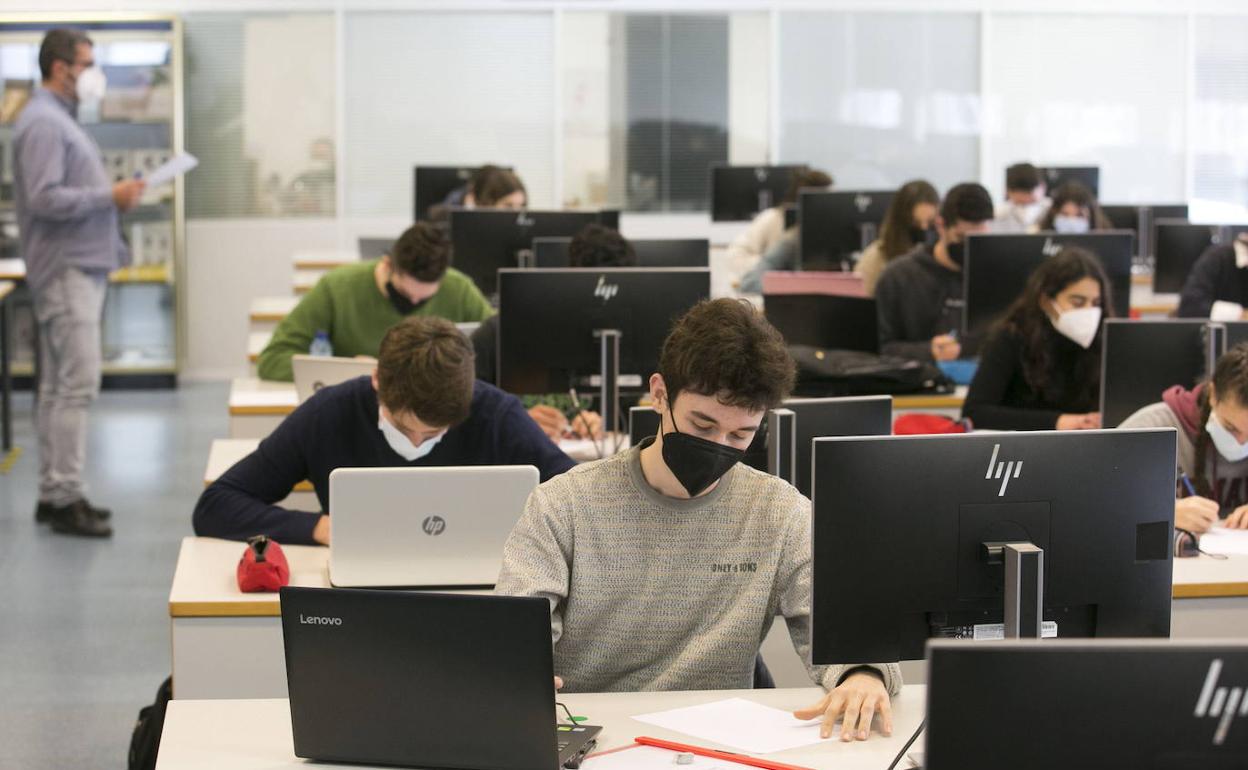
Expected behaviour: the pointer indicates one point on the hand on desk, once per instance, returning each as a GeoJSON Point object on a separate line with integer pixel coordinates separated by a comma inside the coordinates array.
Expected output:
{"type": "Point", "coordinates": [556, 426]}
{"type": "Point", "coordinates": [1238, 518]}
{"type": "Point", "coordinates": [1090, 421]}
{"type": "Point", "coordinates": [320, 533]}
{"type": "Point", "coordinates": [1196, 514]}
{"type": "Point", "coordinates": [945, 347]}
{"type": "Point", "coordinates": [855, 701]}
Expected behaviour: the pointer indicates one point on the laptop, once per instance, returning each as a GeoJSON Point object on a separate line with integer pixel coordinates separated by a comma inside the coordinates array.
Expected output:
{"type": "Point", "coordinates": [315, 372]}
{"type": "Point", "coordinates": [424, 527]}
{"type": "Point", "coordinates": [425, 680]}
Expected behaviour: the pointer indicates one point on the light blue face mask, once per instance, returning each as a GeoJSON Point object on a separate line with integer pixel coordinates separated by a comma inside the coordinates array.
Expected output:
{"type": "Point", "coordinates": [401, 444]}
{"type": "Point", "coordinates": [1230, 449]}
{"type": "Point", "coordinates": [1073, 225]}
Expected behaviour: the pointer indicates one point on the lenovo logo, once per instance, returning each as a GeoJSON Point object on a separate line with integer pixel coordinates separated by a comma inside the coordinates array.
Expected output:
{"type": "Point", "coordinates": [1050, 248]}
{"type": "Point", "coordinates": [433, 525]}
{"type": "Point", "coordinates": [605, 290]}
{"type": "Point", "coordinates": [862, 202]}
{"type": "Point", "coordinates": [1003, 470]}
{"type": "Point", "coordinates": [316, 620]}
{"type": "Point", "coordinates": [1220, 703]}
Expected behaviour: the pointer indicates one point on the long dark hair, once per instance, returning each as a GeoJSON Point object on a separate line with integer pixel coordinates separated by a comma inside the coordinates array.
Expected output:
{"type": "Point", "coordinates": [1027, 319]}
{"type": "Point", "coordinates": [1078, 194]}
{"type": "Point", "coordinates": [802, 178]}
{"type": "Point", "coordinates": [1230, 380]}
{"type": "Point", "coordinates": [895, 237]}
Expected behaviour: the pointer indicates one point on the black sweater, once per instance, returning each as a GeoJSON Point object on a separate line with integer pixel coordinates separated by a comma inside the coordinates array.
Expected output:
{"type": "Point", "coordinates": [337, 428]}
{"type": "Point", "coordinates": [1214, 277]}
{"type": "Point", "coordinates": [916, 299]}
{"type": "Point", "coordinates": [1000, 397]}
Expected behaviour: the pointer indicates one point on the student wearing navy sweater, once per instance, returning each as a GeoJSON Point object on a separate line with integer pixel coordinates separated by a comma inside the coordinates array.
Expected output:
{"type": "Point", "coordinates": [422, 407]}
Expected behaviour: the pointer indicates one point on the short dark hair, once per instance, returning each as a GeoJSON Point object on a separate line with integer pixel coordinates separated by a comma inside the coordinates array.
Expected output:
{"type": "Point", "coordinates": [423, 251]}
{"type": "Point", "coordinates": [600, 246]}
{"type": "Point", "coordinates": [725, 348]}
{"type": "Point", "coordinates": [806, 177]}
{"type": "Point", "coordinates": [966, 202]}
{"type": "Point", "coordinates": [490, 184]}
{"type": "Point", "coordinates": [1022, 177]}
{"type": "Point", "coordinates": [60, 44]}
{"type": "Point", "coordinates": [427, 367]}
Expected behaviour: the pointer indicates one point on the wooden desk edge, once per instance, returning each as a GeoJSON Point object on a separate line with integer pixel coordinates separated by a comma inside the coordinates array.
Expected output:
{"type": "Point", "coordinates": [1209, 590]}
{"type": "Point", "coordinates": [228, 609]}
{"type": "Point", "coordinates": [302, 486]}
{"type": "Point", "coordinates": [267, 316]}
{"type": "Point", "coordinates": [950, 401]}
{"type": "Point", "coordinates": [279, 411]}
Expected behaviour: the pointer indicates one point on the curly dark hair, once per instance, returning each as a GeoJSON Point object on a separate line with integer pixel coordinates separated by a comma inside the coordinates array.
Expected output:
{"type": "Point", "coordinates": [599, 246]}
{"type": "Point", "coordinates": [423, 251]}
{"type": "Point", "coordinates": [1230, 380]}
{"type": "Point", "coordinates": [725, 348]}
{"type": "Point", "coordinates": [1078, 194]}
{"type": "Point", "coordinates": [1027, 320]}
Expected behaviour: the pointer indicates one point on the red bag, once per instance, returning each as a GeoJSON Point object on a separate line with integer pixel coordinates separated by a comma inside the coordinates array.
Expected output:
{"type": "Point", "coordinates": [927, 424]}
{"type": "Point", "coordinates": [263, 567]}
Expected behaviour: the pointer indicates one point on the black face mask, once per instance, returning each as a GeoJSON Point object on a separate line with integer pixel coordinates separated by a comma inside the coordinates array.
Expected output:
{"type": "Point", "coordinates": [695, 462]}
{"type": "Point", "coordinates": [921, 235]}
{"type": "Point", "coordinates": [956, 251]}
{"type": "Point", "coordinates": [400, 303]}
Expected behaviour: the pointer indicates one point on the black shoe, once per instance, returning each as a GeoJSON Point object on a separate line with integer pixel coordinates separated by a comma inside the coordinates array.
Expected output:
{"type": "Point", "coordinates": [78, 518]}
{"type": "Point", "coordinates": [43, 512]}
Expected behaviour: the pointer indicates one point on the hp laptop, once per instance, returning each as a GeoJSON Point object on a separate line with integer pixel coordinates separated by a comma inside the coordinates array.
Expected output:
{"type": "Point", "coordinates": [315, 372]}
{"type": "Point", "coordinates": [423, 527]}
{"type": "Point", "coordinates": [425, 680]}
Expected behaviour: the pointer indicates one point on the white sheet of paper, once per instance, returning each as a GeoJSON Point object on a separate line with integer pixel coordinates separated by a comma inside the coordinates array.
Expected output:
{"type": "Point", "coordinates": [652, 758]}
{"type": "Point", "coordinates": [265, 398]}
{"type": "Point", "coordinates": [176, 166]}
{"type": "Point", "coordinates": [739, 723]}
{"type": "Point", "coordinates": [1225, 541]}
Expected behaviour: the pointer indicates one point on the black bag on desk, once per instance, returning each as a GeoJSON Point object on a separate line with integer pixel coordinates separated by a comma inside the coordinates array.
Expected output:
{"type": "Point", "coordinates": [823, 372]}
{"type": "Point", "coordinates": [145, 740]}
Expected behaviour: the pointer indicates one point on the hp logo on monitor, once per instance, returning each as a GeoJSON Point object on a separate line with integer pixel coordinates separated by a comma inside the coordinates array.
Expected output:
{"type": "Point", "coordinates": [605, 290]}
{"type": "Point", "coordinates": [863, 202]}
{"type": "Point", "coordinates": [433, 525]}
{"type": "Point", "coordinates": [1220, 703]}
{"type": "Point", "coordinates": [1050, 248]}
{"type": "Point", "coordinates": [1003, 470]}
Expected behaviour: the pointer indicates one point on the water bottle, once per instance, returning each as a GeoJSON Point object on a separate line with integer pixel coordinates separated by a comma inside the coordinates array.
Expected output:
{"type": "Point", "coordinates": [321, 345]}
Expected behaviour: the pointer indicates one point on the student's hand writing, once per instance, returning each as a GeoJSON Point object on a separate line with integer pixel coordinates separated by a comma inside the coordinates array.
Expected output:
{"type": "Point", "coordinates": [320, 533]}
{"type": "Point", "coordinates": [855, 702]}
{"type": "Point", "coordinates": [1238, 519]}
{"type": "Point", "coordinates": [550, 420]}
{"type": "Point", "coordinates": [558, 683]}
{"type": "Point", "coordinates": [945, 348]}
{"type": "Point", "coordinates": [1196, 514]}
{"type": "Point", "coordinates": [587, 425]}
{"type": "Point", "coordinates": [1079, 421]}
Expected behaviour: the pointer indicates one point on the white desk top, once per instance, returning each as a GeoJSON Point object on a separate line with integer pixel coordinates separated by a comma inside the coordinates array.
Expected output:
{"type": "Point", "coordinates": [249, 395]}
{"type": "Point", "coordinates": [12, 269]}
{"type": "Point", "coordinates": [324, 259]}
{"type": "Point", "coordinates": [272, 308]}
{"type": "Point", "coordinates": [6, 288]}
{"type": "Point", "coordinates": [204, 582]}
{"type": "Point", "coordinates": [256, 342]}
{"type": "Point", "coordinates": [256, 735]}
{"type": "Point", "coordinates": [1206, 577]}
{"type": "Point", "coordinates": [227, 451]}
{"type": "Point", "coordinates": [306, 279]}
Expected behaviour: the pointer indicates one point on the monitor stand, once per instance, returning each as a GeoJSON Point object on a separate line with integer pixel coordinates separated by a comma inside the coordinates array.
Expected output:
{"type": "Point", "coordinates": [525, 259]}
{"type": "Point", "coordinates": [1024, 586]}
{"type": "Point", "coordinates": [609, 385]}
{"type": "Point", "coordinates": [782, 444]}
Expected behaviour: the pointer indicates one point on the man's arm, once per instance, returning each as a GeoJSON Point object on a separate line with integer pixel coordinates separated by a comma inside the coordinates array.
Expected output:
{"type": "Point", "coordinates": [891, 327]}
{"type": "Point", "coordinates": [41, 157]}
{"type": "Point", "coordinates": [1200, 290]}
{"type": "Point", "coordinates": [521, 441]}
{"type": "Point", "coordinates": [537, 558]}
{"type": "Point", "coordinates": [315, 312]}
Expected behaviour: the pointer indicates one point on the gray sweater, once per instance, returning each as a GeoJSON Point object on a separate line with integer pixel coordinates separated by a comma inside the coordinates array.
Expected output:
{"type": "Point", "coordinates": [649, 592]}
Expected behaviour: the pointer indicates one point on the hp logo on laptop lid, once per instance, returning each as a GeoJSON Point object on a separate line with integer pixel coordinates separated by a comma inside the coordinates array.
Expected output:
{"type": "Point", "coordinates": [433, 525]}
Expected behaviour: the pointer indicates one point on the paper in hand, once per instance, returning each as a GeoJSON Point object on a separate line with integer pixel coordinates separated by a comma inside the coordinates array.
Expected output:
{"type": "Point", "coordinates": [172, 168]}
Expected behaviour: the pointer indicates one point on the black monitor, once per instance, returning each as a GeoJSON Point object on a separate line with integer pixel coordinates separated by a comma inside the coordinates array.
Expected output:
{"type": "Point", "coordinates": [996, 267]}
{"type": "Point", "coordinates": [1236, 333]}
{"type": "Point", "coordinates": [825, 321]}
{"type": "Point", "coordinates": [1141, 359]}
{"type": "Point", "coordinates": [938, 521]}
{"type": "Point", "coordinates": [486, 240]}
{"type": "Point", "coordinates": [1111, 704]}
{"type": "Point", "coordinates": [548, 319]}
{"type": "Point", "coordinates": [431, 185]}
{"type": "Point", "coordinates": [1177, 247]}
{"type": "Point", "coordinates": [738, 193]}
{"type": "Point", "coordinates": [792, 216]}
{"type": "Point", "coordinates": [1142, 220]}
{"type": "Point", "coordinates": [1055, 176]}
{"type": "Point", "coordinates": [837, 224]}
{"type": "Point", "coordinates": [669, 252]}
{"type": "Point", "coordinates": [372, 248]}
{"type": "Point", "coordinates": [1123, 217]}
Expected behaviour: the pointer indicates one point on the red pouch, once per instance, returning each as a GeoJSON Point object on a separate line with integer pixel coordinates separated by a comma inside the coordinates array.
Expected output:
{"type": "Point", "coordinates": [263, 567]}
{"type": "Point", "coordinates": [927, 424]}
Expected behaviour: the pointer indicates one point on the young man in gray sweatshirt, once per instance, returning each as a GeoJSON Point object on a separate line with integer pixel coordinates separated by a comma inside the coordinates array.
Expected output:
{"type": "Point", "coordinates": [666, 564]}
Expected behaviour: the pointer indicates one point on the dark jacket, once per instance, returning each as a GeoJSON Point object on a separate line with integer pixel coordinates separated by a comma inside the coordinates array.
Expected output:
{"type": "Point", "coordinates": [1000, 398]}
{"type": "Point", "coordinates": [337, 428]}
{"type": "Point", "coordinates": [917, 299]}
{"type": "Point", "coordinates": [1213, 277]}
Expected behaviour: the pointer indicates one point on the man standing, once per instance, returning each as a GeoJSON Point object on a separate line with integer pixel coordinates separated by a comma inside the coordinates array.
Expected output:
{"type": "Point", "coordinates": [67, 212]}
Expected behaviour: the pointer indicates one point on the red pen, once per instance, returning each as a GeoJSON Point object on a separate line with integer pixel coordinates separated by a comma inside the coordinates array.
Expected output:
{"type": "Point", "coordinates": [727, 756]}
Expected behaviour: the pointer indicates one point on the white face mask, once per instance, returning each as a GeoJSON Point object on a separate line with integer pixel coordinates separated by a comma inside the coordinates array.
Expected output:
{"type": "Point", "coordinates": [1065, 224]}
{"type": "Point", "coordinates": [91, 86]}
{"type": "Point", "coordinates": [1225, 443]}
{"type": "Point", "coordinates": [1079, 326]}
{"type": "Point", "coordinates": [401, 444]}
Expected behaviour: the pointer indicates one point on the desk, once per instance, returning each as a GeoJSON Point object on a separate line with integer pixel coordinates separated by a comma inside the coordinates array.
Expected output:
{"type": "Point", "coordinates": [949, 404]}
{"type": "Point", "coordinates": [257, 341]}
{"type": "Point", "coordinates": [225, 452]}
{"type": "Point", "coordinates": [12, 270]}
{"type": "Point", "coordinates": [257, 406]}
{"type": "Point", "coordinates": [267, 312]}
{"type": "Point", "coordinates": [1210, 598]}
{"type": "Point", "coordinates": [305, 280]}
{"type": "Point", "coordinates": [323, 260]}
{"type": "Point", "coordinates": [6, 379]}
{"type": "Point", "coordinates": [256, 734]}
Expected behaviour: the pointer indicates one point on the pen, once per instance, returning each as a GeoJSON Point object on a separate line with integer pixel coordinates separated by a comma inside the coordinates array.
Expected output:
{"type": "Point", "coordinates": [727, 756]}
{"type": "Point", "coordinates": [1187, 484]}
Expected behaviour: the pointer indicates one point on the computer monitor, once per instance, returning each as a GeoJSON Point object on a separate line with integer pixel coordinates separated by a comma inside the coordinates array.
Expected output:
{"type": "Point", "coordinates": [373, 248]}
{"type": "Point", "coordinates": [1142, 220]}
{"type": "Point", "coordinates": [1177, 247]}
{"type": "Point", "coordinates": [1141, 359]}
{"type": "Point", "coordinates": [486, 240]}
{"type": "Point", "coordinates": [738, 193]}
{"type": "Point", "coordinates": [1236, 333]}
{"type": "Point", "coordinates": [996, 267]}
{"type": "Point", "coordinates": [1108, 704]}
{"type": "Point", "coordinates": [668, 252]}
{"type": "Point", "coordinates": [550, 322]}
{"type": "Point", "coordinates": [824, 321]}
{"type": "Point", "coordinates": [1123, 217]}
{"type": "Point", "coordinates": [792, 216]}
{"type": "Point", "coordinates": [932, 519]}
{"type": "Point", "coordinates": [431, 185]}
{"type": "Point", "coordinates": [837, 224]}
{"type": "Point", "coordinates": [1056, 176]}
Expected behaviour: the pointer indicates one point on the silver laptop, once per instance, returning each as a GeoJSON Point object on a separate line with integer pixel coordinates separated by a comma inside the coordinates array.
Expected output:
{"type": "Point", "coordinates": [315, 372]}
{"type": "Point", "coordinates": [423, 527]}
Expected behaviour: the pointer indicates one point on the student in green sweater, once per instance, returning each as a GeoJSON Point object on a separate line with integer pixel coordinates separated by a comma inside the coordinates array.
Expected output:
{"type": "Point", "coordinates": [357, 304]}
